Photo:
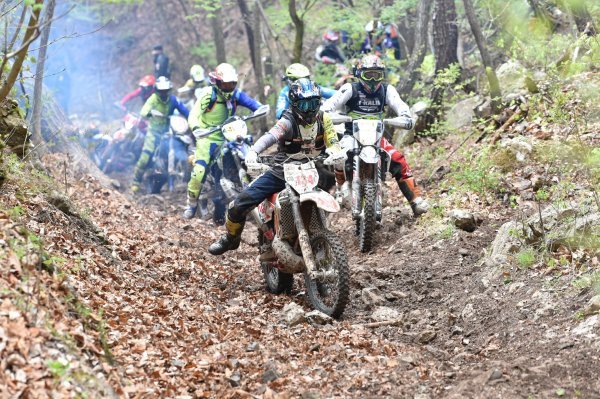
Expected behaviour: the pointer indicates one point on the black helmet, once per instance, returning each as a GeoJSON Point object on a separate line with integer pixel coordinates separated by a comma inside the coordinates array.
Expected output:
{"type": "Point", "coordinates": [305, 100]}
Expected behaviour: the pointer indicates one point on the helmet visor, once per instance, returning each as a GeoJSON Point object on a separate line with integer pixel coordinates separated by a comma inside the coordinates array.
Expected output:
{"type": "Point", "coordinates": [308, 105]}
{"type": "Point", "coordinates": [227, 87]}
{"type": "Point", "coordinates": [372, 74]}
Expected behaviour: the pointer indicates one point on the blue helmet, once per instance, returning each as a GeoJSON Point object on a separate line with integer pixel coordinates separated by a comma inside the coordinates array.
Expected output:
{"type": "Point", "coordinates": [305, 100]}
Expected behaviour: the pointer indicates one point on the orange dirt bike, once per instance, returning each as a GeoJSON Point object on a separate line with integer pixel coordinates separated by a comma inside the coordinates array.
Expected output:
{"type": "Point", "coordinates": [294, 238]}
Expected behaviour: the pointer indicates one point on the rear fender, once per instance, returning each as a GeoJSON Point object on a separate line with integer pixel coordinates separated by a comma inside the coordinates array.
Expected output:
{"type": "Point", "coordinates": [322, 199]}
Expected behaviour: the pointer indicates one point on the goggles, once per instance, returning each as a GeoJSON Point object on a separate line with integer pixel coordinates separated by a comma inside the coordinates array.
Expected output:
{"type": "Point", "coordinates": [227, 87]}
{"type": "Point", "coordinates": [308, 105]}
{"type": "Point", "coordinates": [372, 74]}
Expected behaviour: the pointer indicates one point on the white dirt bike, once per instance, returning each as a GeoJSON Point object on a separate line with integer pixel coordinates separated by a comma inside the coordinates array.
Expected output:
{"type": "Point", "coordinates": [368, 173]}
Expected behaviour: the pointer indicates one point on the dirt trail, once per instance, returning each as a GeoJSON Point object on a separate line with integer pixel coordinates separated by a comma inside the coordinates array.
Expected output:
{"type": "Point", "coordinates": [185, 324]}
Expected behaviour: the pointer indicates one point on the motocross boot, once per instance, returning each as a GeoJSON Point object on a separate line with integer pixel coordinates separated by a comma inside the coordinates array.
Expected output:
{"type": "Point", "coordinates": [230, 240]}
{"type": "Point", "coordinates": [136, 187]}
{"type": "Point", "coordinates": [412, 192]}
{"type": "Point", "coordinates": [190, 210]}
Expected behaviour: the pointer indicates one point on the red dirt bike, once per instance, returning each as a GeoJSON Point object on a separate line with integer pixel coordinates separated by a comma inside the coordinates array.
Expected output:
{"type": "Point", "coordinates": [294, 238]}
{"type": "Point", "coordinates": [126, 144]}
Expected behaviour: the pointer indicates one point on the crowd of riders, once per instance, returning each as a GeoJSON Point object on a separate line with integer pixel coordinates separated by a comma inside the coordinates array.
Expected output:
{"type": "Point", "coordinates": [209, 100]}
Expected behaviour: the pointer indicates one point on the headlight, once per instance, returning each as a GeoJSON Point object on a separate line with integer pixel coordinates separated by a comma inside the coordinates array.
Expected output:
{"type": "Point", "coordinates": [367, 132]}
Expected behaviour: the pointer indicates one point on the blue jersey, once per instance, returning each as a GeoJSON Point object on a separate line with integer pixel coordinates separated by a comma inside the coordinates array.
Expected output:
{"type": "Point", "coordinates": [283, 101]}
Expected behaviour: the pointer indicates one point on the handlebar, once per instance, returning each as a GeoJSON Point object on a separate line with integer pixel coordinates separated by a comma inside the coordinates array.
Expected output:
{"type": "Point", "coordinates": [402, 123]}
{"type": "Point", "coordinates": [262, 111]}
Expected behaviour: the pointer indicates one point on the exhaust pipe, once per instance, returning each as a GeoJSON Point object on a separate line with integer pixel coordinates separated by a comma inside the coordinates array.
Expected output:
{"type": "Point", "coordinates": [291, 262]}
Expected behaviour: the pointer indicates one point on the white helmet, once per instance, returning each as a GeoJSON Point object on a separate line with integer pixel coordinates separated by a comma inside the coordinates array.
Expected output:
{"type": "Point", "coordinates": [163, 83]}
{"type": "Point", "coordinates": [225, 78]}
{"type": "Point", "coordinates": [197, 73]}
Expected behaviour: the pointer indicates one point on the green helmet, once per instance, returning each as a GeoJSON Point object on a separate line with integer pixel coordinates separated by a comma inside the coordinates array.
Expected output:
{"type": "Point", "coordinates": [297, 71]}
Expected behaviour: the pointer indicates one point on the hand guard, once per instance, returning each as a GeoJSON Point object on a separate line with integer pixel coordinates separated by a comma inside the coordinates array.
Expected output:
{"type": "Point", "coordinates": [335, 157]}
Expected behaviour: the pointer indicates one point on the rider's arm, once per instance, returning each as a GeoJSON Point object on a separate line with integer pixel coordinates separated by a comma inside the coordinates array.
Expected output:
{"type": "Point", "coordinates": [130, 96]}
{"type": "Point", "coordinates": [282, 131]}
{"type": "Point", "coordinates": [394, 101]}
{"type": "Point", "coordinates": [339, 99]}
{"type": "Point", "coordinates": [282, 101]}
{"type": "Point", "coordinates": [326, 92]}
{"type": "Point", "coordinates": [195, 116]}
{"type": "Point", "coordinates": [246, 101]}
{"type": "Point", "coordinates": [148, 106]}
{"type": "Point", "coordinates": [399, 107]}
{"type": "Point", "coordinates": [330, 135]}
{"type": "Point", "coordinates": [180, 107]}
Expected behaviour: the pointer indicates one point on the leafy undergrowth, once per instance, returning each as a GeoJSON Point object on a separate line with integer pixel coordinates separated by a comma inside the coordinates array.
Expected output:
{"type": "Point", "coordinates": [51, 344]}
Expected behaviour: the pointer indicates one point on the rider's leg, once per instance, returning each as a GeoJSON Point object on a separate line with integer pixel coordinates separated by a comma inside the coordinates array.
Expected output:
{"type": "Point", "coordinates": [150, 142]}
{"type": "Point", "coordinates": [204, 156]}
{"type": "Point", "coordinates": [259, 189]}
{"type": "Point", "coordinates": [408, 186]}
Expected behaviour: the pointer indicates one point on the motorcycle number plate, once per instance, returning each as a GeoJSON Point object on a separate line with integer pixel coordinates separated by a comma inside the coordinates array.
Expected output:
{"type": "Point", "coordinates": [303, 178]}
{"type": "Point", "coordinates": [235, 129]}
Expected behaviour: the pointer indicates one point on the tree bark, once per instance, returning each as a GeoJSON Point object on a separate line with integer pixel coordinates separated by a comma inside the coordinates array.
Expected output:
{"type": "Point", "coordinates": [419, 48]}
{"type": "Point", "coordinates": [258, 64]}
{"type": "Point", "coordinates": [445, 43]}
{"type": "Point", "coordinates": [247, 18]}
{"type": "Point", "coordinates": [299, 37]}
{"type": "Point", "coordinates": [495, 92]}
{"type": "Point", "coordinates": [217, 29]}
{"type": "Point", "coordinates": [31, 34]}
{"type": "Point", "coordinates": [36, 115]}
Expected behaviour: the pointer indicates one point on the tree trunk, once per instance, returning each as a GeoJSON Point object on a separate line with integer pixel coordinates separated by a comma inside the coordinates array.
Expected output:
{"type": "Point", "coordinates": [247, 18]}
{"type": "Point", "coordinates": [445, 42]}
{"type": "Point", "coordinates": [258, 64]}
{"type": "Point", "coordinates": [582, 17]}
{"type": "Point", "coordinates": [36, 116]}
{"type": "Point", "coordinates": [299, 37]}
{"type": "Point", "coordinates": [495, 93]}
{"type": "Point", "coordinates": [31, 34]}
{"type": "Point", "coordinates": [217, 29]}
{"type": "Point", "coordinates": [419, 48]}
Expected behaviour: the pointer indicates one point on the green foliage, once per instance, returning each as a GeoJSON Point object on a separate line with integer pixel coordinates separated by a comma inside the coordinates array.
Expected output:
{"type": "Point", "coordinates": [526, 257]}
{"type": "Point", "coordinates": [58, 369]}
{"type": "Point", "coordinates": [479, 175]}
{"type": "Point", "coordinates": [447, 232]}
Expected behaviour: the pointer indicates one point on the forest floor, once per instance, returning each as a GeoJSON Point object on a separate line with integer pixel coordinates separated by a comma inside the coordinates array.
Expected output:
{"type": "Point", "coordinates": [136, 307]}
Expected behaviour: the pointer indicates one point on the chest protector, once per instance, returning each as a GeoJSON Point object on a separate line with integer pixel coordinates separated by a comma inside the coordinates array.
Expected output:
{"type": "Point", "coordinates": [231, 103]}
{"type": "Point", "coordinates": [306, 140]}
{"type": "Point", "coordinates": [365, 103]}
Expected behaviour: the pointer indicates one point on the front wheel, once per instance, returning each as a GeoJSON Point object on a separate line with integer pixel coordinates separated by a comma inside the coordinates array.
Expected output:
{"type": "Point", "coordinates": [329, 294]}
{"type": "Point", "coordinates": [367, 222]}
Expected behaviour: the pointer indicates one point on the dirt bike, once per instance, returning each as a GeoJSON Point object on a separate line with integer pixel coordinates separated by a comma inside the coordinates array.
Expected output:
{"type": "Point", "coordinates": [228, 176]}
{"type": "Point", "coordinates": [126, 144]}
{"type": "Point", "coordinates": [294, 238]}
{"type": "Point", "coordinates": [369, 166]}
{"type": "Point", "coordinates": [166, 168]}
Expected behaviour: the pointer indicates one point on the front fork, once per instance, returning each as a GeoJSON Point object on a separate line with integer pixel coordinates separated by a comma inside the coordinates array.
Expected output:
{"type": "Point", "coordinates": [304, 239]}
{"type": "Point", "coordinates": [356, 189]}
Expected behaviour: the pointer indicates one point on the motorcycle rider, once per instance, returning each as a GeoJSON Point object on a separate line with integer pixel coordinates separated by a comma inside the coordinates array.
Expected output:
{"type": "Point", "coordinates": [163, 102]}
{"type": "Point", "coordinates": [293, 73]}
{"type": "Point", "coordinates": [144, 91]}
{"type": "Point", "coordinates": [216, 104]}
{"type": "Point", "coordinates": [302, 130]}
{"type": "Point", "coordinates": [197, 80]}
{"type": "Point", "coordinates": [330, 52]}
{"type": "Point", "coordinates": [368, 98]}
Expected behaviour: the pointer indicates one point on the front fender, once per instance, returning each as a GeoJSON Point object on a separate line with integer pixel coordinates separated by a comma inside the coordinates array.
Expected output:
{"type": "Point", "coordinates": [322, 199]}
{"type": "Point", "coordinates": [369, 154]}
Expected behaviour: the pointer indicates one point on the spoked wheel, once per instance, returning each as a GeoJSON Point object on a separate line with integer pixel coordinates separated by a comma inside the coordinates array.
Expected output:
{"type": "Point", "coordinates": [367, 222]}
{"type": "Point", "coordinates": [329, 294]}
{"type": "Point", "coordinates": [277, 281]}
